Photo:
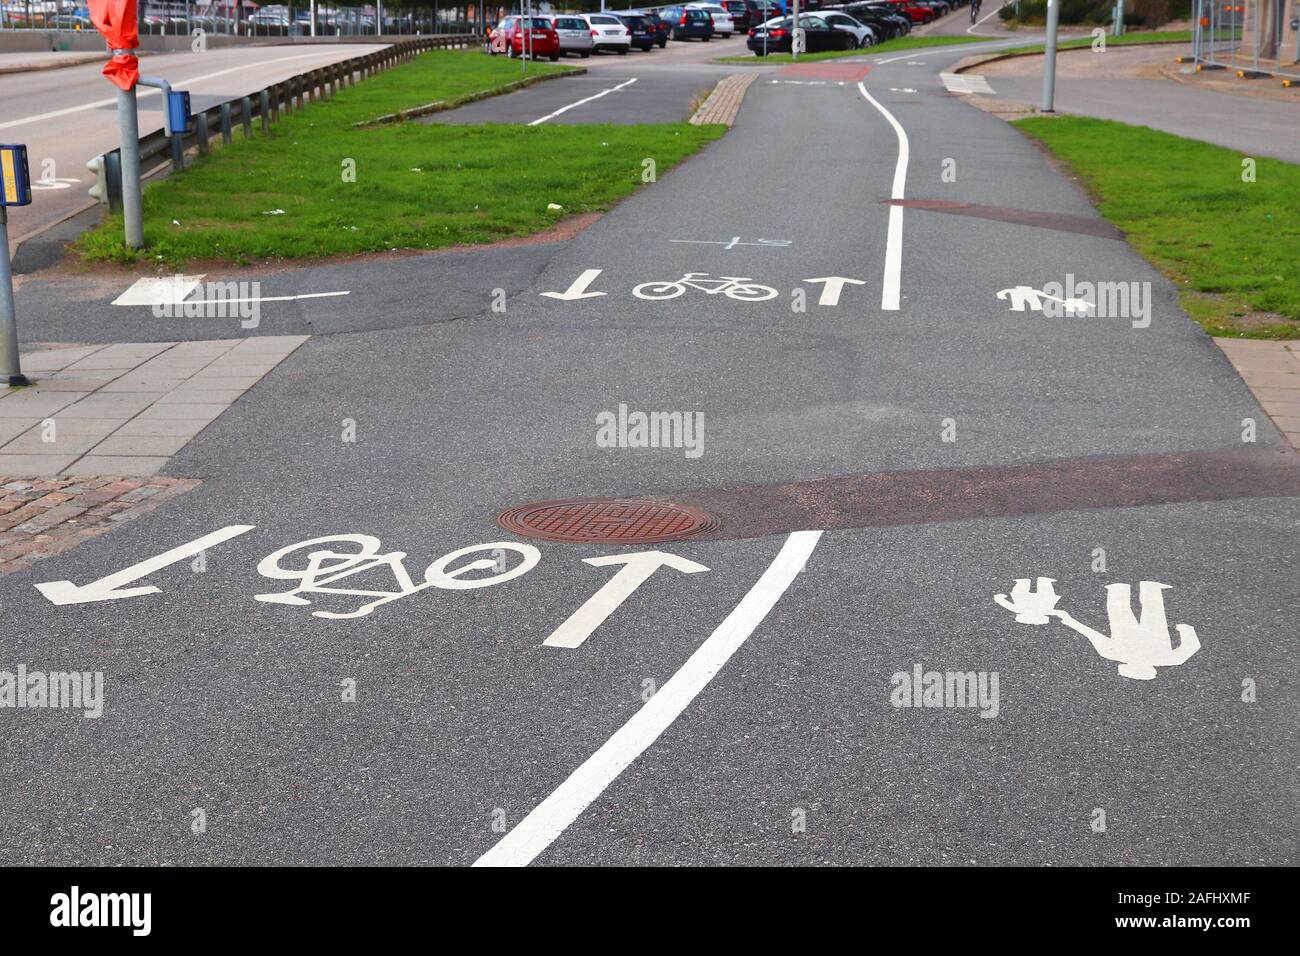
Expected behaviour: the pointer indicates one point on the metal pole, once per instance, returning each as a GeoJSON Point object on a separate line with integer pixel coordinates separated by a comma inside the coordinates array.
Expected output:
{"type": "Point", "coordinates": [1049, 63]}
{"type": "Point", "coordinates": [1117, 28]}
{"type": "Point", "coordinates": [313, 17]}
{"type": "Point", "coordinates": [794, 31]}
{"type": "Point", "coordinates": [128, 130]}
{"type": "Point", "coordinates": [9, 366]}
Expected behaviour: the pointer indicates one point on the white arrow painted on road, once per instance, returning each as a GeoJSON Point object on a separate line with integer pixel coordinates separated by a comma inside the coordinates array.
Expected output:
{"type": "Point", "coordinates": [579, 288]}
{"type": "Point", "coordinates": [107, 589]}
{"type": "Point", "coordinates": [833, 287]}
{"type": "Point", "coordinates": [603, 603]}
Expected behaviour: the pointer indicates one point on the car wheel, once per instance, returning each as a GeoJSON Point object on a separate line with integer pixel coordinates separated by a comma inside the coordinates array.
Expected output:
{"type": "Point", "coordinates": [585, 53]}
{"type": "Point", "coordinates": [622, 50]}
{"type": "Point", "coordinates": [707, 39]}
{"type": "Point", "coordinates": [663, 43]}
{"type": "Point", "coordinates": [555, 58]}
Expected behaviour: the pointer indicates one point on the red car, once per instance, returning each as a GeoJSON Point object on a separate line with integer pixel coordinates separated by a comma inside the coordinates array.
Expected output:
{"type": "Point", "coordinates": [538, 38]}
{"type": "Point", "coordinates": [913, 11]}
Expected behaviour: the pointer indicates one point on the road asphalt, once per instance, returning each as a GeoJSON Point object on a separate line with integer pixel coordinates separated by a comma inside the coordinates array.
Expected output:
{"type": "Point", "coordinates": [751, 712]}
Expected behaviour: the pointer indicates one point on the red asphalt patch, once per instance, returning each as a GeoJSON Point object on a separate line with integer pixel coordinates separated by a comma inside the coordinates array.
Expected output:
{"type": "Point", "coordinates": [848, 72]}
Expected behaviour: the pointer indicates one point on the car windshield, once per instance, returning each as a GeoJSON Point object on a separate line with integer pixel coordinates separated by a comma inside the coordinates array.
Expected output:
{"type": "Point", "coordinates": [537, 23]}
{"type": "Point", "coordinates": [635, 21]}
{"type": "Point", "coordinates": [569, 23]}
{"type": "Point", "coordinates": [607, 21]}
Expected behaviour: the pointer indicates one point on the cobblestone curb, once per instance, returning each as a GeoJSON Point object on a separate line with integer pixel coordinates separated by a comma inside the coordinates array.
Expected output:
{"type": "Point", "coordinates": [42, 517]}
{"type": "Point", "coordinates": [724, 102]}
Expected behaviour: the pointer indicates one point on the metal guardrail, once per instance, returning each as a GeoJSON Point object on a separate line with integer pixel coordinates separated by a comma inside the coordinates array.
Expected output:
{"type": "Point", "coordinates": [290, 94]}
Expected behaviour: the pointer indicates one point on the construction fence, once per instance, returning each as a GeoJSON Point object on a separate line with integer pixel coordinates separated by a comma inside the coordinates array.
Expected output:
{"type": "Point", "coordinates": [1256, 39]}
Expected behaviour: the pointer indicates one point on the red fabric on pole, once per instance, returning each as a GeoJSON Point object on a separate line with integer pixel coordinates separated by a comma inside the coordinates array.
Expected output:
{"type": "Point", "coordinates": [116, 20]}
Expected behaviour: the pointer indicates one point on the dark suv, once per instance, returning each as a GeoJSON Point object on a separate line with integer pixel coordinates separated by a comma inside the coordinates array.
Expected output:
{"type": "Point", "coordinates": [688, 23]}
{"type": "Point", "coordinates": [642, 32]}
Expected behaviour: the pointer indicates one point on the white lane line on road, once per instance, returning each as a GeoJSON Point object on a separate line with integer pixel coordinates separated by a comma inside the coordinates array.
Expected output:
{"type": "Point", "coordinates": [565, 109]}
{"type": "Point", "coordinates": [891, 284]}
{"type": "Point", "coordinates": [553, 815]}
{"type": "Point", "coordinates": [988, 16]}
{"type": "Point", "coordinates": [140, 92]}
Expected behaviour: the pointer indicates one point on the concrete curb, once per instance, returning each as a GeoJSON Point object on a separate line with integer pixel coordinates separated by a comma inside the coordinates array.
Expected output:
{"type": "Point", "coordinates": [444, 105]}
{"type": "Point", "coordinates": [55, 65]}
{"type": "Point", "coordinates": [973, 61]}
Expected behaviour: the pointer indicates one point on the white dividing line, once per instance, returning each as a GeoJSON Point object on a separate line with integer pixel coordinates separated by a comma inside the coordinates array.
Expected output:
{"type": "Point", "coordinates": [268, 298]}
{"type": "Point", "coordinates": [565, 109]}
{"type": "Point", "coordinates": [141, 92]}
{"type": "Point", "coordinates": [891, 284]}
{"type": "Point", "coordinates": [987, 16]}
{"type": "Point", "coordinates": [549, 818]}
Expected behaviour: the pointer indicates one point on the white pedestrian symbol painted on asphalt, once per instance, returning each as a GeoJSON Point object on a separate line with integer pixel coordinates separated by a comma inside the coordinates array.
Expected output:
{"type": "Point", "coordinates": [1138, 644]}
{"type": "Point", "coordinates": [1026, 296]}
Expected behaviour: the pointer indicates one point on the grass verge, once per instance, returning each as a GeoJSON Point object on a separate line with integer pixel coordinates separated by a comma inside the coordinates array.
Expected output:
{"type": "Point", "coordinates": [289, 193]}
{"type": "Point", "coordinates": [1127, 39]}
{"type": "Point", "coordinates": [900, 43]}
{"type": "Point", "coordinates": [1229, 245]}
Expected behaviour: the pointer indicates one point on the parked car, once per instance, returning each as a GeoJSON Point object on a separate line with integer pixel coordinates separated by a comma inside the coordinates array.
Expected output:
{"type": "Point", "coordinates": [663, 29]}
{"type": "Point", "coordinates": [608, 32]}
{"type": "Point", "coordinates": [574, 35]}
{"type": "Point", "coordinates": [689, 23]}
{"type": "Point", "coordinates": [535, 38]}
{"type": "Point", "coordinates": [640, 31]}
{"type": "Point", "coordinates": [775, 36]}
{"type": "Point", "coordinates": [722, 22]}
{"type": "Point", "coordinates": [739, 14]}
{"type": "Point", "coordinates": [916, 12]}
{"type": "Point", "coordinates": [895, 23]}
{"type": "Point", "coordinates": [862, 33]}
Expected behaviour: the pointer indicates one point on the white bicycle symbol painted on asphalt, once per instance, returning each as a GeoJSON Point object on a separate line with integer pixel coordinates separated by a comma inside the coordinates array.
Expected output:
{"type": "Point", "coordinates": [324, 566]}
{"type": "Point", "coordinates": [733, 287]}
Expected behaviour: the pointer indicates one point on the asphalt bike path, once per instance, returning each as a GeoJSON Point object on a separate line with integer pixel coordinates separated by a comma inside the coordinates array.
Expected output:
{"type": "Point", "coordinates": [741, 704]}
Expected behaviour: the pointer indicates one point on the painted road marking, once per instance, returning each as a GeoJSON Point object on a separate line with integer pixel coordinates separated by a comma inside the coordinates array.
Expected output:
{"type": "Point", "coordinates": [552, 816]}
{"type": "Point", "coordinates": [735, 241]}
{"type": "Point", "coordinates": [965, 83]}
{"type": "Point", "coordinates": [565, 109]}
{"type": "Point", "coordinates": [637, 569]}
{"type": "Point", "coordinates": [107, 589]}
{"type": "Point", "coordinates": [834, 285]}
{"type": "Point", "coordinates": [270, 298]}
{"type": "Point", "coordinates": [170, 290]}
{"type": "Point", "coordinates": [891, 286]}
{"type": "Point", "coordinates": [578, 288]}
{"type": "Point", "coordinates": [1139, 644]}
{"type": "Point", "coordinates": [987, 16]}
{"type": "Point", "coordinates": [901, 89]}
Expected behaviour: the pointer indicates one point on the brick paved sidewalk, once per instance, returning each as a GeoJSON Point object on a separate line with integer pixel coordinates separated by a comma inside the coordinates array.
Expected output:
{"type": "Point", "coordinates": [47, 516]}
{"type": "Point", "coordinates": [1271, 371]}
{"type": "Point", "coordinates": [125, 409]}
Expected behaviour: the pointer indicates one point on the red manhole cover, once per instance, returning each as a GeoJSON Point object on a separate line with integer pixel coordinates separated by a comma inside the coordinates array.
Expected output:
{"type": "Point", "coordinates": [609, 520]}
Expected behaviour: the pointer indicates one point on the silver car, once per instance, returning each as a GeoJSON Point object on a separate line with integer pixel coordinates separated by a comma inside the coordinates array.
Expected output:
{"type": "Point", "coordinates": [575, 35]}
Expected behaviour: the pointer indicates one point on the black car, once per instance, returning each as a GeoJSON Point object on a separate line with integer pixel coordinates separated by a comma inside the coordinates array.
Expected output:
{"type": "Point", "coordinates": [899, 23]}
{"type": "Point", "coordinates": [688, 23]}
{"type": "Point", "coordinates": [776, 37]}
{"type": "Point", "coordinates": [641, 30]}
{"type": "Point", "coordinates": [662, 28]}
{"type": "Point", "coordinates": [755, 12]}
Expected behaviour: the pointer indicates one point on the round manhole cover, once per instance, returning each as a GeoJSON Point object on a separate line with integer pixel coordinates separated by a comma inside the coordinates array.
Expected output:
{"type": "Point", "coordinates": [608, 520]}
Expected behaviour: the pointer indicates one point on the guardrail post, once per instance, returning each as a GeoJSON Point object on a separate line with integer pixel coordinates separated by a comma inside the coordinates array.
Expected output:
{"type": "Point", "coordinates": [264, 109]}
{"type": "Point", "coordinates": [246, 115]}
{"type": "Point", "coordinates": [225, 124]}
{"type": "Point", "coordinates": [201, 131]}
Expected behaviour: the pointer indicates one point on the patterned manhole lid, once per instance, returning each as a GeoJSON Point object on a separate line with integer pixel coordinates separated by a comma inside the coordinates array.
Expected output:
{"type": "Point", "coordinates": [607, 520]}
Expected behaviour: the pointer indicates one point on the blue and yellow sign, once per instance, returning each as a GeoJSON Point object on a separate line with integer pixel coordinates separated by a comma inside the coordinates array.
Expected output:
{"type": "Point", "coordinates": [15, 183]}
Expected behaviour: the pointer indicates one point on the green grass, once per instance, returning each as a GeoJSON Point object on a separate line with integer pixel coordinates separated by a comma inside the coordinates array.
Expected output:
{"type": "Point", "coordinates": [417, 186]}
{"type": "Point", "coordinates": [900, 43]}
{"type": "Point", "coordinates": [1229, 245]}
{"type": "Point", "coordinates": [1127, 39]}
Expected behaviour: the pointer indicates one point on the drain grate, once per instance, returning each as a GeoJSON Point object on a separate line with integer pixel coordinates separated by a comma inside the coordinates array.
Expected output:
{"type": "Point", "coordinates": [608, 520]}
